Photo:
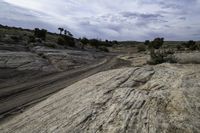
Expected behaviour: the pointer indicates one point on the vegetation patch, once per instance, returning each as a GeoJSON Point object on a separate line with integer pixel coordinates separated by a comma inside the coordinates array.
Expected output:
{"type": "Point", "coordinates": [161, 56]}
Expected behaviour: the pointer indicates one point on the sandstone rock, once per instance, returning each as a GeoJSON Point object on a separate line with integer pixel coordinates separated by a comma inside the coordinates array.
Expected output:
{"type": "Point", "coordinates": [45, 59]}
{"type": "Point", "coordinates": [19, 60]}
{"type": "Point", "coordinates": [163, 98]}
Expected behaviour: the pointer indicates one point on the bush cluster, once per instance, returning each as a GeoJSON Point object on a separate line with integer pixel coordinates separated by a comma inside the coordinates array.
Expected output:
{"type": "Point", "coordinates": [158, 54]}
{"type": "Point", "coordinates": [40, 33]}
{"type": "Point", "coordinates": [156, 43]}
{"type": "Point", "coordinates": [191, 45]}
{"type": "Point", "coordinates": [161, 56]}
{"type": "Point", "coordinates": [104, 49]}
{"type": "Point", "coordinates": [66, 41]}
{"type": "Point", "coordinates": [16, 38]}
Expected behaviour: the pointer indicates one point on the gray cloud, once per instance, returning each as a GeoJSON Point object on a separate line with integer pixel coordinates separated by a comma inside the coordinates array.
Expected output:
{"type": "Point", "coordinates": [140, 15]}
{"type": "Point", "coordinates": [182, 18]}
{"type": "Point", "coordinates": [21, 17]}
{"type": "Point", "coordinates": [121, 19]}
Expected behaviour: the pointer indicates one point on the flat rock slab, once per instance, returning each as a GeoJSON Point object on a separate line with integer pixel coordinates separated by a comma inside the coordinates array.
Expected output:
{"type": "Point", "coordinates": [158, 99]}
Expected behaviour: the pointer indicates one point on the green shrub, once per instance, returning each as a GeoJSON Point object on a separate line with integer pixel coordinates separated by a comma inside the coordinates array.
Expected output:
{"type": "Point", "coordinates": [84, 41]}
{"type": "Point", "coordinates": [147, 42]}
{"type": "Point", "coordinates": [61, 41]}
{"type": "Point", "coordinates": [69, 41]}
{"type": "Point", "coordinates": [51, 45]}
{"type": "Point", "coordinates": [115, 42]}
{"type": "Point", "coordinates": [104, 49]}
{"type": "Point", "coordinates": [66, 41]}
{"type": "Point", "coordinates": [31, 39]}
{"type": "Point", "coordinates": [156, 43]}
{"type": "Point", "coordinates": [94, 42]}
{"type": "Point", "coordinates": [191, 45]}
{"type": "Point", "coordinates": [40, 33]}
{"type": "Point", "coordinates": [161, 56]}
{"type": "Point", "coordinates": [98, 43]}
{"type": "Point", "coordinates": [179, 47]}
{"type": "Point", "coordinates": [16, 38]}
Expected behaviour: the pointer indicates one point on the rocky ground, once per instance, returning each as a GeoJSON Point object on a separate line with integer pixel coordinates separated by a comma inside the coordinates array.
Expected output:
{"type": "Point", "coordinates": [135, 98]}
{"type": "Point", "coordinates": [149, 99]}
{"type": "Point", "coordinates": [29, 73]}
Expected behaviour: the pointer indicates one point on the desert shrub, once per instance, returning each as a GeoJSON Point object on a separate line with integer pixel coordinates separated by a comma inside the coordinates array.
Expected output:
{"type": "Point", "coordinates": [194, 47]}
{"type": "Point", "coordinates": [104, 49]}
{"type": "Point", "coordinates": [66, 41]}
{"type": "Point", "coordinates": [51, 45]}
{"type": "Point", "coordinates": [10, 39]}
{"type": "Point", "coordinates": [95, 43]}
{"type": "Point", "coordinates": [31, 39]}
{"type": "Point", "coordinates": [156, 43]}
{"type": "Point", "coordinates": [40, 33]}
{"type": "Point", "coordinates": [98, 43]}
{"type": "Point", "coordinates": [107, 43]}
{"type": "Point", "coordinates": [61, 41]}
{"type": "Point", "coordinates": [69, 41]}
{"type": "Point", "coordinates": [147, 42]}
{"type": "Point", "coordinates": [84, 40]}
{"type": "Point", "coordinates": [115, 42]}
{"type": "Point", "coordinates": [161, 56]}
{"type": "Point", "coordinates": [16, 38]}
{"type": "Point", "coordinates": [191, 45]}
{"type": "Point", "coordinates": [179, 47]}
{"type": "Point", "coordinates": [141, 48]}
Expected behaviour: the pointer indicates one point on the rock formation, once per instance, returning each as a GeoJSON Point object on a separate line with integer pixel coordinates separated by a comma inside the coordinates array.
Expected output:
{"type": "Point", "coordinates": [150, 99]}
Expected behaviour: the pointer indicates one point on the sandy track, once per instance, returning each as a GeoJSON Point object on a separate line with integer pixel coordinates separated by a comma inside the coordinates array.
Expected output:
{"type": "Point", "coordinates": [17, 97]}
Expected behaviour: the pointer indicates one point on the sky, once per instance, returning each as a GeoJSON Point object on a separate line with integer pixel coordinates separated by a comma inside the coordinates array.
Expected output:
{"type": "Point", "coordinates": [108, 19]}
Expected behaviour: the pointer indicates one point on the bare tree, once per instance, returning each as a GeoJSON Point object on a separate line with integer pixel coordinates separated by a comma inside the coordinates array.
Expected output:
{"type": "Point", "coordinates": [61, 30]}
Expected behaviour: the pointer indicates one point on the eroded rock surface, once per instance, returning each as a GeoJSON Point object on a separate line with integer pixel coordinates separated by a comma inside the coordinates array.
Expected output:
{"type": "Point", "coordinates": [158, 99]}
{"type": "Point", "coordinates": [46, 59]}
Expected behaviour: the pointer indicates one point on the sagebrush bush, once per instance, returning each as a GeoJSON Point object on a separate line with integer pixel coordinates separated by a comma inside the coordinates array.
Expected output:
{"type": "Point", "coordinates": [16, 38]}
{"type": "Point", "coordinates": [40, 33]}
{"type": "Point", "coordinates": [61, 41]}
{"type": "Point", "coordinates": [66, 41]}
{"type": "Point", "coordinates": [156, 43]}
{"type": "Point", "coordinates": [51, 45]}
{"type": "Point", "coordinates": [31, 39]}
{"type": "Point", "coordinates": [147, 42]}
{"type": "Point", "coordinates": [191, 45]}
{"type": "Point", "coordinates": [161, 56]}
{"type": "Point", "coordinates": [104, 49]}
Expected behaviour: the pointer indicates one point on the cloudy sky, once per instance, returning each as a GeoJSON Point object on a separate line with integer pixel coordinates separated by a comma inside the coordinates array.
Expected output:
{"type": "Point", "coordinates": [108, 19]}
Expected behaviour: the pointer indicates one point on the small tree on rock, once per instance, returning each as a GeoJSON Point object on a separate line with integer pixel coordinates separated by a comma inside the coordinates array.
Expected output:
{"type": "Point", "coordinates": [61, 30]}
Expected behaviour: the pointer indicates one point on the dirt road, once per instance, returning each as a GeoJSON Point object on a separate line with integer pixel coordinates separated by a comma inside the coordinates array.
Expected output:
{"type": "Point", "coordinates": [15, 98]}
